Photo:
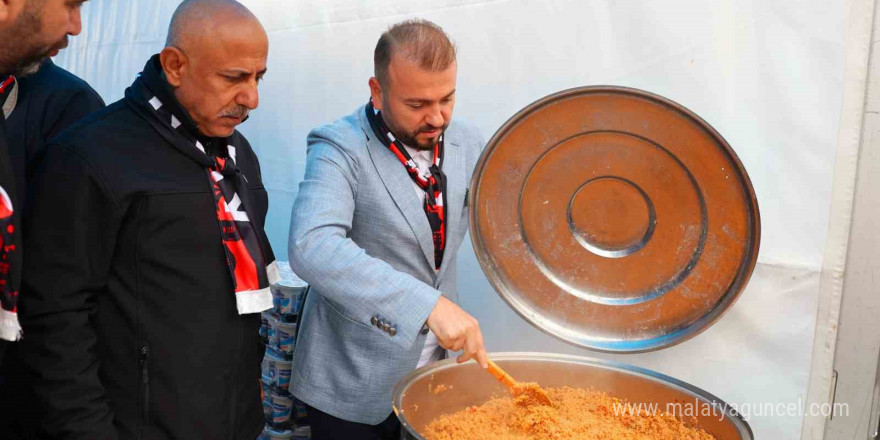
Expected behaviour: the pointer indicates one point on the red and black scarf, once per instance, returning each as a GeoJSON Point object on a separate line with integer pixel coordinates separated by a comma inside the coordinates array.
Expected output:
{"type": "Point", "coordinates": [248, 254]}
{"type": "Point", "coordinates": [432, 181]}
{"type": "Point", "coordinates": [10, 235]}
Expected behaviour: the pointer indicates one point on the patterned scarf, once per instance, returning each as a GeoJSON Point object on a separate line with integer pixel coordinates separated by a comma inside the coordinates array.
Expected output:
{"type": "Point", "coordinates": [432, 181]}
{"type": "Point", "coordinates": [248, 254]}
{"type": "Point", "coordinates": [10, 255]}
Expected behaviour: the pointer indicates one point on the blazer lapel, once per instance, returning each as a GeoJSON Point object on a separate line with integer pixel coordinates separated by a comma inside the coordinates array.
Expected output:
{"type": "Point", "coordinates": [400, 187]}
{"type": "Point", "coordinates": [453, 167]}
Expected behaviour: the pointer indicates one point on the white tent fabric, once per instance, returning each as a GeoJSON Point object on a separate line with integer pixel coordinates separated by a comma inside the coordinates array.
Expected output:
{"type": "Point", "coordinates": [768, 75]}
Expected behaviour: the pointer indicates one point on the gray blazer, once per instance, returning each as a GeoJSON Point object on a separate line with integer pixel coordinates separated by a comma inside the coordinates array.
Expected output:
{"type": "Point", "coordinates": [359, 236]}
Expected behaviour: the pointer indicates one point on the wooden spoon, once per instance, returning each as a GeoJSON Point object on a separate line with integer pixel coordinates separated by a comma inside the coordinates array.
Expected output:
{"type": "Point", "coordinates": [532, 392]}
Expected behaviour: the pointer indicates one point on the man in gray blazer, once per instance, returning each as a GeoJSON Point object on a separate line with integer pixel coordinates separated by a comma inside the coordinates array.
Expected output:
{"type": "Point", "coordinates": [375, 231]}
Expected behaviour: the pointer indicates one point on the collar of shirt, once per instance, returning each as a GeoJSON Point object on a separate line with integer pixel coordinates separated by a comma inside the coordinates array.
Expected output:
{"type": "Point", "coordinates": [422, 158]}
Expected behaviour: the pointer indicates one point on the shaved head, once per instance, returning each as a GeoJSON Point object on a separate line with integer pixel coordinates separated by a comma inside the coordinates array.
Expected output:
{"type": "Point", "coordinates": [193, 19]}
{"type": "Point", "coordinates": [214, 57]}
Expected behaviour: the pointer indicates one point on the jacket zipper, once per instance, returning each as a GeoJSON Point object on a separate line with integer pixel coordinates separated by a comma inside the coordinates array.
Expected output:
{"type": "Point", "coordinates": [145, 385]}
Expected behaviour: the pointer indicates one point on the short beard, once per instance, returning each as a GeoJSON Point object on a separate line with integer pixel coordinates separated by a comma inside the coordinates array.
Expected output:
{"type": "Point", "coordinates": [409, 138]}
{"type": "Point", "coordinates": [20, 56]}
{"type": "Point", "coordinates": [29, 69]}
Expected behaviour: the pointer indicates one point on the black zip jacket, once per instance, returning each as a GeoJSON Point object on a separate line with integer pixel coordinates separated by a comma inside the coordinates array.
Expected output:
{"type": "Point", "coordinates": [47, 102]}
{"type": "Point", "coordinates": [128, 305]}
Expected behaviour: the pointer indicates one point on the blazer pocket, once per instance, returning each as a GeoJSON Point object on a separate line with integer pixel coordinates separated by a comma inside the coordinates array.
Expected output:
{"type": "Point", "coordinates": [342, 314]}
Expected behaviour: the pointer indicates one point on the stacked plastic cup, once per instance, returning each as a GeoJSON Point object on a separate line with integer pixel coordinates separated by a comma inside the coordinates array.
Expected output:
{"type": "Point", "coordinates": [285, 416]}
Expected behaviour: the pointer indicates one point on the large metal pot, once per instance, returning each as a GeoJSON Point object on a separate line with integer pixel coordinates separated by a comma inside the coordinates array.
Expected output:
{"type": "Point", "coordinates": [417, 404]}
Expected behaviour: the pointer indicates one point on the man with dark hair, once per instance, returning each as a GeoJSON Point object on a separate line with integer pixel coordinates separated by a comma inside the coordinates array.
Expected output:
{"type": "Point", "coordinates": [375, 231]}
{"type": "Point", "coordinates": [30, 32]}
{"type": "Point", "coordinates": [147, 263]}
{"type": "Point", "coordinates": [37, 107]}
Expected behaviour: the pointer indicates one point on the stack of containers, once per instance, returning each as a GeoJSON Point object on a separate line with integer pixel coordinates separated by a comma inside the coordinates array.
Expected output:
{"type": "Point", "coordinates": [285, 416]}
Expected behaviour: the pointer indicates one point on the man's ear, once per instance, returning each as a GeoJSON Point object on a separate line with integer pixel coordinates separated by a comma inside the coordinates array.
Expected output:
{"type": "Point", "coordinates": [376, 93]}
{"type": "Point", "coordinates": [174, 63]}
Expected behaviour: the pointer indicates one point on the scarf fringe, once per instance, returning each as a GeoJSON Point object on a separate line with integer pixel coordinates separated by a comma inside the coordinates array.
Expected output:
{"type": "Point", "coordinates": [273, 273]}
{"type": "Point", "coordinates": [253, 301]}
{"type": "Point", "coordinates": [10, 329]}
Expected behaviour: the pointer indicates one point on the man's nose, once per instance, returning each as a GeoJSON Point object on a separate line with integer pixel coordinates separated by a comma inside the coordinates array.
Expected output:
{"type": "Point", "coordinates": [249, 96]}
{"type": "Point", "coordinates": [435, 116]}
{"type": "Point", "coordinates": [74, 23]}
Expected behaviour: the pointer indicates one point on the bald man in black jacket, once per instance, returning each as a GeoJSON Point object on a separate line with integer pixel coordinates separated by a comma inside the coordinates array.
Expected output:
{"type": "Point", "coordinates": [147, 265]}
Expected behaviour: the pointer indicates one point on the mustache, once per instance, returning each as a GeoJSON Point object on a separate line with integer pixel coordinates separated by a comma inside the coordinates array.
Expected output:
{"type": "Point", "coordinates": [430, 128]}
{"type": "Point", "coordinates": [238, 111]}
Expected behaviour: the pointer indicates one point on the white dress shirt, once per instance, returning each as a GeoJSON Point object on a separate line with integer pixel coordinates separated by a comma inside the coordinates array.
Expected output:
{"type": "Point", "coordinates": [432, 352]}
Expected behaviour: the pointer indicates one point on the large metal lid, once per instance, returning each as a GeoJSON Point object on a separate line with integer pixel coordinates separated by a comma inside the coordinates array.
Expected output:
{"type": "Point", "coordinates": [614, 219]}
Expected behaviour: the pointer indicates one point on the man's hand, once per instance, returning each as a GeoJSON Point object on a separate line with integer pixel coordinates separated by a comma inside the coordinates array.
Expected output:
{"type": "Point", "coordinates": [457, 330]}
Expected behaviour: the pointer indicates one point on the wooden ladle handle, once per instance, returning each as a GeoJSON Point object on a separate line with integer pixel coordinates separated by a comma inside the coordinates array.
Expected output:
{"type": "Point", "coordinates": [501, 375]}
